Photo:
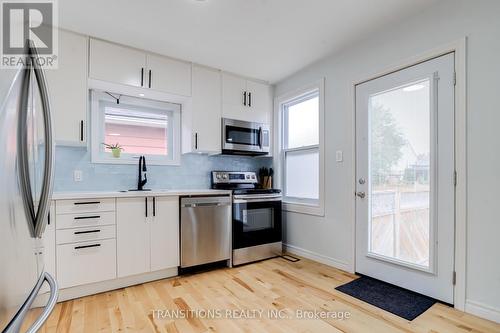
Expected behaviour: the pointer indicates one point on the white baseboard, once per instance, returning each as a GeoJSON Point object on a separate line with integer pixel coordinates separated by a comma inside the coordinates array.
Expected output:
{"type": "Point", "coordinates": [317, 257]}
{"type": "Point", "coordinates": [103, 286]}
{"type": "Point", "coordinates": [482, 310]}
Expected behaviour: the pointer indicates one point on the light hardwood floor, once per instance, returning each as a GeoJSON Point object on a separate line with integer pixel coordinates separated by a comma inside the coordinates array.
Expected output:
{"type": "Point", "coordinates": [274, 284]}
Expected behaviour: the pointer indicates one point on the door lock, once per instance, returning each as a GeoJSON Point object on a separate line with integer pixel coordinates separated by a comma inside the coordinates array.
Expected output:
{"type": "Point", "coordinates": [362, 195]}
{"type": "Point", "coordinates": [362, 181]}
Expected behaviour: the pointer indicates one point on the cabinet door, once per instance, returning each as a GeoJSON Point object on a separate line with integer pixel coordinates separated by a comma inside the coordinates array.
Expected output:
{"type": "Point", "coordinates": [206, 110]}
{"type": "Point", "coordinates": [118, 64]}
{"type": "Point", "coordinates": [165, 234]}
{"type": "Point", "coordinates": [133, 236]}
{"type": "Point", "coordinates": [168, 75]}
{"type": "Point", "coordinates": [261, 101]}
{"type": "Point", "coordinates": [68, 89]}
{"type": "Point", "coordinates": [233, 89]}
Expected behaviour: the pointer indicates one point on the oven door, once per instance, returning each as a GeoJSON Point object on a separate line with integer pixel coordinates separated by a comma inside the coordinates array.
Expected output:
{"type": "Point", "coordinates": [245, 137]}
{"type": "Point", "coordinates": [256, 221]}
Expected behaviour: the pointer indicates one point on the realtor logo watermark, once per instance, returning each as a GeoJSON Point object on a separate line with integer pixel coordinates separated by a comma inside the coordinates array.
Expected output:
{"type": "Point", "coordinates": [24, 20]}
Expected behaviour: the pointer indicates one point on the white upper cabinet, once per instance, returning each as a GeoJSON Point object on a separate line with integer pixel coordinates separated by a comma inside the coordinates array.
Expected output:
{"type": "Point", "coordinates": [245, 99]}
{"type": "Point", "coordinates": [165, 233]}
{"type": "Point", "coordinates": [118, 64]}
{"type": "Point", "coordinates": [68, 90]}
{"type": "Point", "coordinates": [260, 101]}
{"type": "Point", "coordinates": [234, 97]}
{"type": "Point", "coordinates": [168, 75]}
{"type": "Point", "coordinates": [202, 121]}
{"type": "Point", "coordinates": [123, 65]}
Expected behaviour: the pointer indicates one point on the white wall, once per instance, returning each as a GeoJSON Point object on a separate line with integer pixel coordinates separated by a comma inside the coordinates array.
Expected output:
{"type": "Point", "coordinates": [331, 237]}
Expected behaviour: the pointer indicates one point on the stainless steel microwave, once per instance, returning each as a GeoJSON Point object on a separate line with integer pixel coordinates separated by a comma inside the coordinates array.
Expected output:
{"type": "Point", "coordinates": [245, 138]}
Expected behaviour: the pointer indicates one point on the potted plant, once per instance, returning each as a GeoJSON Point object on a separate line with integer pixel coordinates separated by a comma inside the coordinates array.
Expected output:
{"type": "Point", "coordinates": [116, 149]}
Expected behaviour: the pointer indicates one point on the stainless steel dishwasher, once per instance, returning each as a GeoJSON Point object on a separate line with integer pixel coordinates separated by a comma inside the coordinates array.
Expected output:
{"type": "Point", "coordinates": [205, 230]}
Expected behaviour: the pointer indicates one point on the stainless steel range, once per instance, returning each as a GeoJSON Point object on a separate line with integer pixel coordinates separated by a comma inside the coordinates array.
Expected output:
{"type": "Point", "coordinates": [257, 221]}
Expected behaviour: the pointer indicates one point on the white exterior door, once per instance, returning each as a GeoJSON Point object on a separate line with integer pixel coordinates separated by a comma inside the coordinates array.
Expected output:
{"type": "Point", "coordinates": [405, 178]}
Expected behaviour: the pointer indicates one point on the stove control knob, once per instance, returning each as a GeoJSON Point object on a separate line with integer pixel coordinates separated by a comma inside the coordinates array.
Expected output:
{"type": "Point", "coordinates": [217, 175]}
{"type": "Point", "coordinates": [248, 176]}
{"type": "Point", "coordinates": [224, 176]}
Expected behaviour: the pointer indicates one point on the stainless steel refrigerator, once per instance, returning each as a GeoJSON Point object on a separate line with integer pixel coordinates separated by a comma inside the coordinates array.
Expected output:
{"type": "Point", "coordinates": [26, 173]}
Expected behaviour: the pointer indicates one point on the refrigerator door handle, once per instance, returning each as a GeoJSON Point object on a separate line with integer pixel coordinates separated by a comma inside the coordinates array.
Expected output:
{"type": "Point", "coordinates": [48, 175]}
{"type": "Point", "coordinates": [17, 322]}
{"type": "Point", "coordinates": [51, 303]}
{"type": "Point", "coordinates": [23, 149]}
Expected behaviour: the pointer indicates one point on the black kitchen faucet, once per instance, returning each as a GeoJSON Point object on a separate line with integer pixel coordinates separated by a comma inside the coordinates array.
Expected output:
{"type": "Point", "coordinates": [142, 168]}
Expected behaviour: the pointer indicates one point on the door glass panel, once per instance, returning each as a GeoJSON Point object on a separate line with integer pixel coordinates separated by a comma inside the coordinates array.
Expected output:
{"type": "Point", "coordinates": [400, 174]}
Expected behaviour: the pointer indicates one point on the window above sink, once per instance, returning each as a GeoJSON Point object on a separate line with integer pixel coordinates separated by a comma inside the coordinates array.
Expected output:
{"type": "Point", "coordinates": [138, 126]}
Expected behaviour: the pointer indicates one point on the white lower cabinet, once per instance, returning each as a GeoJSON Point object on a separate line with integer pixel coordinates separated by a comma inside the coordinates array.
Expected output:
{"type": "Point", "coordinates": [86, 262]}
{"type": "Point", "coordinates": [85, 240]}
{"type": "Point", "coordinates": [147, 234]}
{"type": "Point", "coordinates": [165, 234]}
{"type": "Point", "coordinates": [99, 240]}
{"type": "Point", "coordinates": [132, 231]}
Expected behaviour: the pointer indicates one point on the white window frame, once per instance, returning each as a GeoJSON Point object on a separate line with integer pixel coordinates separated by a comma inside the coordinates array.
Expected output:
{"type": "Point", "coordinates": [298, 205]}
{"type": "Point", "coordinates": [97, 121]}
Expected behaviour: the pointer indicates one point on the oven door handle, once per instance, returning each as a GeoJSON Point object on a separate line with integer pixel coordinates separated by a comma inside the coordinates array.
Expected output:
{"type": "Point", "coordinates": [237, 199]}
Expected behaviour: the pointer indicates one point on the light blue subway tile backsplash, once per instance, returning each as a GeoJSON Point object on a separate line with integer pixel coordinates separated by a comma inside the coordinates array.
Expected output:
{"type": "Point", "coordinates": [193, 173]}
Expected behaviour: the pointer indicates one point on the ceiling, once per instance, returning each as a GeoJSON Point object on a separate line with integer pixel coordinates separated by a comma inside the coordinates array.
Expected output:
{"type": "Point", "coordinates": [266, 39]}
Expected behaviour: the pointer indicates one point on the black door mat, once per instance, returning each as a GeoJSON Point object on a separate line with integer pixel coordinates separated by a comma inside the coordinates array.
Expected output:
{"type": "Point", "coordinates": [399, 301]}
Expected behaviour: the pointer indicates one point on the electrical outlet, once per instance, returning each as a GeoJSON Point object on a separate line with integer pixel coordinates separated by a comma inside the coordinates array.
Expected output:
{"type": "Point", "coordinates": [77, 175]}
{"type": "Point", "coordinates": [339, 155]}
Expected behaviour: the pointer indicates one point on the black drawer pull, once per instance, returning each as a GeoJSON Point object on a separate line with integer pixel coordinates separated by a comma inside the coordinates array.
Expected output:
{"type": "Point", "coordinates": [86, 246]}
{"type": "Point", "coordinates": [87, 203]}
{"type": "Point", "coordinates": [86, 232]}
{"type": "Point", "coordinates": [87, 217]}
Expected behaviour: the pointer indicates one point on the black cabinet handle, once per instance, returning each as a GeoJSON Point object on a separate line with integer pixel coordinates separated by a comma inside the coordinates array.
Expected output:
{"type": "Point", "coordinates": [142, 77]}
{"type": "Point", "coordinates": [154, 206]}
{"type": "Point", "coordinates": [149, 78]}
{"type": "Point", "coordinates": [48, 218]}
{"type": "Point", "coordinates": [87, 217]}
{"type": "Point", "coordinates": [196, 141]}
{"type": "Point", "coordinates": [81, 130]}
{"type": "Point", "coordinates": [86, 246]}
{"type": "Point", "coordinates": [146, 200]}
{"type": "Point", "coordinates": [87, 203]}
{"type": "Point", "coordinates": [87, 232]}
{"type": "Point", "coordinates": [245, 98]}
{"type": "Point", "coordinates": [249, 99]}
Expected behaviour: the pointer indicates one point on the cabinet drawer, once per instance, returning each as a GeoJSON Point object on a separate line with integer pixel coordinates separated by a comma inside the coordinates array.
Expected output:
{"type": "Point", "coordinates": [87, 262]}
{"type": "Point", "coordinates": [85, 234]}
{"type": "Point", "coordinates": [85, 220]}
{"type": "Point", "coordinates": [85, 206]}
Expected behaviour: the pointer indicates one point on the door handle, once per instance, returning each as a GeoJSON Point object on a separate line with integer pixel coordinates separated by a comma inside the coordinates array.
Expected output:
{"type": "Point", "coordinates": [249, 99]}
{"type": "Point", "coordinates": [361, 194]}
{"type": "Point", "coordinates": [149, 85]}
{"type": "Point", "coordinates": [245, 98]}
{"type": "Point", "coordinates": [142, 77]}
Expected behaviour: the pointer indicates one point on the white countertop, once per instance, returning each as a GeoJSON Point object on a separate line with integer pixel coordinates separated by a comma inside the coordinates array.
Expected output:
{"type": "Point", "coordinates": [128, 194]}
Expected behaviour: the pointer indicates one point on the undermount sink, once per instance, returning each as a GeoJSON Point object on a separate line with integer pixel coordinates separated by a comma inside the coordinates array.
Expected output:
{"type": "Point", "coordinates": [144, 190]}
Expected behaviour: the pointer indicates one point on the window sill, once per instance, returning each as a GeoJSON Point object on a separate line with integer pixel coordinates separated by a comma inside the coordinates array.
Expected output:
{"type": "Point", "coordinates": [302, 208]}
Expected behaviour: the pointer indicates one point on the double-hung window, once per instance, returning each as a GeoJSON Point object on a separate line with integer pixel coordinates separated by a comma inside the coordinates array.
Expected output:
{"type": "Point", "coordinates": [301, 151]}
{"type": "Point", "coordinates": [139, 126]}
